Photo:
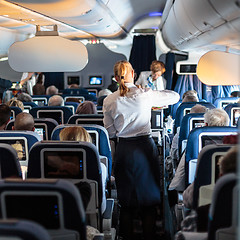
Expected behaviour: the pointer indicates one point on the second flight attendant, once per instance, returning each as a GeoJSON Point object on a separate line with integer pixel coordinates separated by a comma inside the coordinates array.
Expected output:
{"type": "Point", "coordinates": [127, 114]}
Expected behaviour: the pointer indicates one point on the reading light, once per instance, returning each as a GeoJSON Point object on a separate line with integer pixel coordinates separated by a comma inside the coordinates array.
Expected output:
{"type": "Point", "coordinates": [48, 52]}
{"type": "Point", "coordinates": [219, 68]}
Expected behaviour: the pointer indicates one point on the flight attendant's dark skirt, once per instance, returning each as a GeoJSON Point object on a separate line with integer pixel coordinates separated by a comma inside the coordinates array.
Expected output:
{"type": "Point", "coordinates": [137, 173]}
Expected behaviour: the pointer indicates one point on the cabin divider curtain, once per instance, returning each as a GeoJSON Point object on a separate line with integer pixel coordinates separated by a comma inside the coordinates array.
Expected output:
{"type": "Point", "coordinates": [143, 52]}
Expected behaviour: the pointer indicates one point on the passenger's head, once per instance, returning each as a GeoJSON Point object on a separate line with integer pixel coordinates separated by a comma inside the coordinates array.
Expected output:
{"type": "Point", "coordinates": [56, 100]}
{"type": "Point", "coordinates": [38, 89]}
{"type": "Point", "coordinates": [75, 134]}
{"type": "Point", "coordinates": [51, 90]}
{"type": "Point", "coordinates": [104, 92]}
{"type": "Point", "coordinates": [86, 107]}
{"type": "Point", "coordinates": [73, 86]}
{"type": "Point", "coordinates": [198, 108]}
{"type": "Point", "coordinates": [228, 162]}
{"type": "Point", "coordinates": [5, 114]}
{"type": "Point", "coordinates": [24, 97]}
{"type": "Point", "coordinates": [123, 73]}
{"type": "Point", "coordinates": [235, 94]}
{"type": "Point", "coordinates": [216, 117]}
{"type": "Point", "coordinates": [15, 103]}
{"type": "Point", "coordinates": [157, 68]}
{"type": "Point", "coordinates": [189, 93]}
{"type": "Point", "coordinates": [113, 87]}
{"type": "Point", "coordinates": [24, 121]}
{"type": "Point", "coordinates": [190, 98]}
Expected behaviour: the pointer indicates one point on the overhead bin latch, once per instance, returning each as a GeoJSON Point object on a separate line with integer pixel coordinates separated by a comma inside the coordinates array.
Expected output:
{"type": "Point", "coordinates": [39, 32]}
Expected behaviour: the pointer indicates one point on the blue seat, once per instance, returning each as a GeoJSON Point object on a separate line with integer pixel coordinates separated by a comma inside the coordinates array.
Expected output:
{"type": "Point", "coordinates": [205, 174]}
{"type": "Point", "coordinates": [238, 123]}
{"type": "Point", "coordinates": [60, 113]}
{"type": "Point", "coordinates": [185, 108]}
{"type": "Point", "coordinates": [54, 204]}
{"type": "Point", "coordinates": [103, 147]}
{"type": "Point", "coordinates": [15, 111]}
{"type": "Point", "coordinates": [75, 91]}
{"type": "Point", "coordinates": [224, 101]}
{"type": "Point", "coordinates": [233, 111]}
{"type": "Point", "coordinates": [9, 163]}
{"type": "Point", "coordinates": [29, 105]}
{"type": "Point", "coordinates": [197, 139]}
{"type": "Point", "coordinates": [88, 96]}
{"type": "Point", "coordinates": [22, 230]}
{"type": "Point", "coordinates": [86, 119]}
{"type": "Point", "coordinates": [72, 105]}
{"type": "Point", "coordinates": [40, 166]}
{"type": "Point", "coordinates": [22, 141]}
{"type": "Point", "coordinates": [174, 108]}
{"type": "Point", "coordinates": [189, 122]}
{"type": "Point", "coordinates": [40, 100]}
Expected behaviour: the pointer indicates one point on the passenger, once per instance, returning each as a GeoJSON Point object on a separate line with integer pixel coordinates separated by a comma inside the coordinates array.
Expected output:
{"type": "Point", "coordinates": [73, 86]}
{"type": "Point", "coordinates": [174, 151]}
{"type": "Point", "coordinates": [153, 79]}
{"type": "Point", "coordinates": [15, 103]}
{"type": "Point", "coordinates": [189, 98]}
{"type": "Point", "coordinates": [24, 97]}
{"type": "Point", "coordinates": [51, 90]}
{"type": "Point", "coordinates": [80, 134]}
{"type": "Point", "coordinates": [198, 220]}
{"type": "Point", "coordinates": [113, 87]}
{"type": "Point", "coordinates": [102, 95]}
{"type": "Point", "coordinates": [39, 88]}
{"type": "Point", "coordinates": [235, 94]}
{"type": "Point", "coordinates": [24, 121]}
{"type": "Point", "coordinates": [5, 114]}
{"type": "Point", "coordinates": [190, 93]}
{"type": "Point", "coordinates": [127, 114]}
{"type": "Point", "coordinates": [28, 80]}
{"type": "Point", "coordinates": [56, 100]}
{"type": "Point", "coordinates": [86, 107]}
{"type": "Point", "coordinates": [213, 117]}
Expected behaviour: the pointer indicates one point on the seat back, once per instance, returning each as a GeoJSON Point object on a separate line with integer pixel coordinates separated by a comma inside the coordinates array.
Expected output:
{"type": "Point", "coordinates": [207, 170]}
{"type": "Point", "coordinates": [55, 204]}
{"type": "Point", "coordinates": [184, 108]}
{"type": "Point", "coordinates": [40, 100]}
{"type": "Point", "coordinates": [189, 122]}
{"type": "Point", "coordinates": [233, 111]}
{"type": "Point", "coordinates": [14, 112]}
{"type": "Point", "coordinates": [28, 106]}
{"type": "Point", "coordinates": [222, 102]}
{"type": "Point", "coordinates": [100, 136]}
{"type": "Point", "coordinates": [72, 105]}
{"type": "Point", "coordinates": [75, 161]}
{"type": "Point", "coordinates": [22, 141]}
{"type": "Point", "coordinates": [9, 164]}
{"type": "Point", "coordinates": [197, 139]}
{"type": "Point", "coordinates": [22, 230]}
{"type": "Point", "coordinates": [220, 214]}
{"type": "Point", "coordinates": [82, 96]}
{"type": "Point", "coordinates": [86, 119]}
{"type": "Point", "coordinates": [75, 91]}
{"type": "Point", "coordinates": [60, 113]}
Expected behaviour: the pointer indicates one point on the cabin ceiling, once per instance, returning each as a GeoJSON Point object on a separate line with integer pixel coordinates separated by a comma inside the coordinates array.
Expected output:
{"type": "Point", "coordinates": [79, 19]}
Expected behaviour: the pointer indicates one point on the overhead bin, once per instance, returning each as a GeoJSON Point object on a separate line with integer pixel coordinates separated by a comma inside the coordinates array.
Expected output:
{"type": "Point", "coordinates": [190, 23]}
{"type": "Point", "coordinates": [47, 52]}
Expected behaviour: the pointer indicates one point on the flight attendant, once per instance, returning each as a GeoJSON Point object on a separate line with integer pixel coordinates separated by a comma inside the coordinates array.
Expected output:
{"type": "Point", "coordinates": [127, 114]}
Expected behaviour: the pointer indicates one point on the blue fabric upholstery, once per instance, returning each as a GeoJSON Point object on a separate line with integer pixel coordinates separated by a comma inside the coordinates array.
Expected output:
{"type": "Point", "coordinates": [220, 214]}
{"type": "Point", "coordinates": [73, 211]}
{"type": "Point", "coordinates": [41, 97]}
{"type": "Point", "coordinates": [174, 108]}
{"type": "Point", "coordinates": [185, 127]}
{"type": "Point", "coordinates": [104, 144]}
{"type": "Point", "coordinates": [16, 110]}
{"type": "Point", "coordinates": [31, 104]}
{"type": "Point", "coordinates": [180, 111]}
{"type": "Point", "coordinates": [226, 100]}
{"type": "Point", "coordinates": [204, 168]}
{"type": "Point", "coordinates": [67, 113]}
{"type": "Point", "coordinates": [88, 96]}
{"type": "Point", "coordinates": [24, 230]}
{"type": "Point", "coordinates": [86, 119]}
{"type": "Point", "coordinates": [75, 91]}
{"type": "Point", "coordinates": [74, 104]}
{"type": "Point", "coordinates": [192, 149]}
{"type": "Point", "coordinates": [9, 163]}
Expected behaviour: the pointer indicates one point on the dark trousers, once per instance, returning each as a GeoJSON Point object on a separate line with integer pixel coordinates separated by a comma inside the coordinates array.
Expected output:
{"type": "Point", "coordinates": [148, 216]}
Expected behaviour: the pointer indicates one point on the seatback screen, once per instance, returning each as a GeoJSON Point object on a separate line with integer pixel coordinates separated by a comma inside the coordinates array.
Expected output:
{"type": "Point", "coordinates": [54, 114]}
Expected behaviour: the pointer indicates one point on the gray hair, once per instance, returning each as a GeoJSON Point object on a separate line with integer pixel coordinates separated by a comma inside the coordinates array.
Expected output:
{"type": "Point", "coordinates": [56, 100]}
{"type": "Point", "coordinates": [51, 90]}
{"type": "Point", "coordinates": [24, 97]}
{"type": "Point", "coordinates": [216, 117]}
{"type": "Point", "coordinates": [198, 108]}
{"type": "Point", "coordinates": [190, 98]}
